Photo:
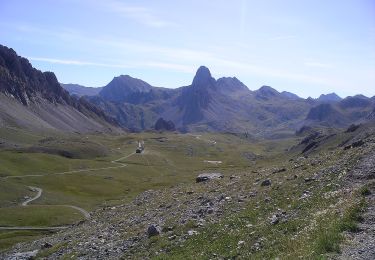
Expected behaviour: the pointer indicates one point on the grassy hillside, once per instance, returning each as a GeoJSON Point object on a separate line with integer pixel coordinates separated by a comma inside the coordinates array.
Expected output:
{"type": "Point", "coordinates": [79, 169]}
{"type": "Point", "coordinates": [300, 214]}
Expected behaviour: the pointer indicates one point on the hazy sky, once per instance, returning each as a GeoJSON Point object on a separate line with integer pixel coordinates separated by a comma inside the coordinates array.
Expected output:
{"type": "Point", "coordinates": [306, 47]}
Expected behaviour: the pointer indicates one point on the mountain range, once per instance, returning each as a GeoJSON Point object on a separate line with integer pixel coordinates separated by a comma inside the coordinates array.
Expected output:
{"type": "Point", "coordinates": [225, 105]}
{"type": "Point", "coordinates": [36, 100]}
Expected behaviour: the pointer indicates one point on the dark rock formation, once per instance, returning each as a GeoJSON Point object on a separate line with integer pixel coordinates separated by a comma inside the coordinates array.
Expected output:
{"type": "Point", "coordinates": [266, 183]}
{"type": "Point", "coordinates": [352, 128]}
{"type": "Point", "coordinates": [21, 81]}
{"type": "Point", "coordinates": [196, 98]}
{"type": "Point", "coordinates": [153, 230]}
{"type": "Point", "coordinates": [163, 125]}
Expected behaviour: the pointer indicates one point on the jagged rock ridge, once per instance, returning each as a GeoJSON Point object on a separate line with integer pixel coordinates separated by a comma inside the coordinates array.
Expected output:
{"type": "Point", "coordinates": [34, 99]}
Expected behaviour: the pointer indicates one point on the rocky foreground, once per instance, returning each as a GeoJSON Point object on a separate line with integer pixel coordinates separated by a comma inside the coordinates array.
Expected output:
{"type": "Point", "coordinates": [283, 211]}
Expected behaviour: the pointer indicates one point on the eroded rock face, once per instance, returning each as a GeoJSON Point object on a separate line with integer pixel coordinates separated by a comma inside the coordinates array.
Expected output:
{"type": "Point", "coordinates": [208, 176]}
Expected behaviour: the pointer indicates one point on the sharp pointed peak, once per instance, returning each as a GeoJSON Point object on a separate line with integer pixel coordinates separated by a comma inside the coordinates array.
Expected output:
{"type": "Point", "coordinates": [203, 77]}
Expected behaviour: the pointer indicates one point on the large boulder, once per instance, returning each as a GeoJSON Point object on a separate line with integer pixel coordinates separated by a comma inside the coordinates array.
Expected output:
{"type": "Point", "coordinates": [208, 176]}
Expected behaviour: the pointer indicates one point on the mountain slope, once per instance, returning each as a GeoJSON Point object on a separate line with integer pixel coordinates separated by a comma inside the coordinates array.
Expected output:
{"type": "Point", "coordinates": [35, 100]}
{"type": "Point", "coordinates": [342, 113]}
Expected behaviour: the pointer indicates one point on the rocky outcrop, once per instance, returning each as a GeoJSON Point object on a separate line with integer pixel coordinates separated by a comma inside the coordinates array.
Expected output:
{"type": "Point", "coordinates": [163, 125]}
{"type": "Point", "coordinates": [195, 99]}
{"type": "Point", "coordinates": [20, 80]}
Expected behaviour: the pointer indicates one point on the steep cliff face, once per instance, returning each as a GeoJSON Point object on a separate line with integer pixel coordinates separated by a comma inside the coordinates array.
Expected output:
{"type": "Point", "coordinates": [28, 93]}
{"type": "Point", "coordinates": [195, 99]}
{"type": "Point", "coordinates": [21, 81]}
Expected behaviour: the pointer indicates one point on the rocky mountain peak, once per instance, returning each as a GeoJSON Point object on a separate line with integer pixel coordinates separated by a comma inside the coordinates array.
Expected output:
{"type": "Point", "coordinates": [228, 84]}
{"type": "Point", "coordinates": [266, 92]}
{"type": "Point", "coordinates": [203, 78]}
{"type": "Point", "coordinates": [123, 87]}
{"type": "Point", "coordinates": [331, 97]}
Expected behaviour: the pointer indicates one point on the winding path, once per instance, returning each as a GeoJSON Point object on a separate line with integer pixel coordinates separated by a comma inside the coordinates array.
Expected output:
{"type": "Point", "coordinates": [121, 165]}
{"type": "Point", "coordinates": [34, 228]}
{"type": "Point", "coordinates": [40, 191]}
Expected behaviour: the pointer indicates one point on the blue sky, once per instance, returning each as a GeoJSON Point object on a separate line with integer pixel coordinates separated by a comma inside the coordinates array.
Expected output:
{"type": "Point", "coordinates": [306, 47]}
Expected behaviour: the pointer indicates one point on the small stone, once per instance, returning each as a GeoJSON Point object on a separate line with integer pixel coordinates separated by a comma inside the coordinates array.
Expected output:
{"type": "Point", "coordinates": [153, 230]}
{"type": "Point", "coordinates": [172, 237]}
{"type": "Point", "coordinates": [46, 245]}
{"type": "Point", "coordinates": [192, 232]}
{"type": "Point", "coordinates": [266, 183]}
{"type": "Point", "coordinates": [309, 179]}
{"type": "Point", "coordinates": [279, 170]}
{"type": "Point", "coordinates": [240, 243]}
{"type": "Point", "coordinates": [275, 219]}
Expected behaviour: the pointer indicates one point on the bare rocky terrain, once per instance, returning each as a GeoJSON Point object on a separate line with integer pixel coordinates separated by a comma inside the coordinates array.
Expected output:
{"type": "Point", "coordinates": [361, 244]}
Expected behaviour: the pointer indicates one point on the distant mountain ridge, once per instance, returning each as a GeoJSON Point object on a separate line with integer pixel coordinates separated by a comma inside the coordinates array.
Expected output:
{"type": "Point", "coordinates": [79, 90]}
{"type": "Point", "coordinates": [225, 104]}
{"type": "Point", "coordinates": [341, 113]}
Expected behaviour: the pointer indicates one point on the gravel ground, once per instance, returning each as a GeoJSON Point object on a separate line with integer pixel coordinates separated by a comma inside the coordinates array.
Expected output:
{"type": "Point", "coordinates": [361, 245]}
